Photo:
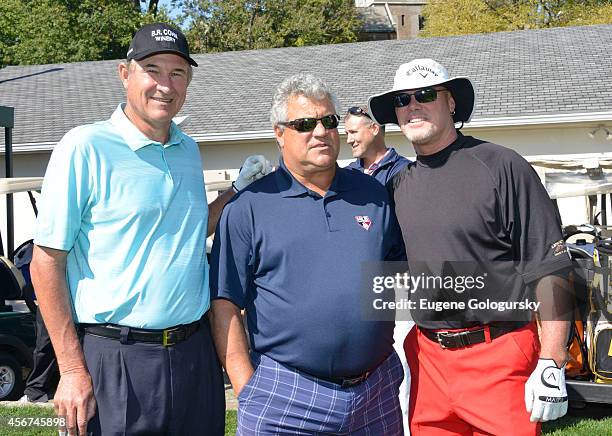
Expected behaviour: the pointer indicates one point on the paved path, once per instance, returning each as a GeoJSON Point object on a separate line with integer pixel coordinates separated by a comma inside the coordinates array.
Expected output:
{"type": "Point", "coordinates": [18, 404]}
{"type": "Point", "coordinates": [231, 403]}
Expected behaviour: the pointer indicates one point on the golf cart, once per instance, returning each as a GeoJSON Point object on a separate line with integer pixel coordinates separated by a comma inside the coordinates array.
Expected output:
{"type": "Point", "coordinates": [589, 373]}
{"type": "Point", "coordinates": [17, 306]}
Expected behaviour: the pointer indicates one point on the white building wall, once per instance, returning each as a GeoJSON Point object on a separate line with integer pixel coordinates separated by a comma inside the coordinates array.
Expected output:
{"type": "Point", "coordinates": [24, 219]}
{"type": "Point", "coordinates": [528, 141]}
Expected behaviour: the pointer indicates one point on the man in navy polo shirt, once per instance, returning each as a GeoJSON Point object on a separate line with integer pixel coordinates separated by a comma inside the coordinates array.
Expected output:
{"type": "Point", "coordinates": [290, 250]}
{"type": "Point", "coordinates": [367, 141]}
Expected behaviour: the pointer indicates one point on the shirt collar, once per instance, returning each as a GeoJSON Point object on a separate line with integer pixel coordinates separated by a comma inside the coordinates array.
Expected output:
{"type": "Point", "coordinates": [388, 158]}
{"type": "Point", "coordinates": [440, 157]}
{"type": "Point", "coordinates": [134, 138]}
{"type": "Point", "coordinates": [288, 186]}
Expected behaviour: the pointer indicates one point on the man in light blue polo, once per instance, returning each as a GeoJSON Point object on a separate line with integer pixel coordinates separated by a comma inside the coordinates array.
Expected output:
{"type": "Point", "coordinates": [120, 251]}
{"type": "Point", "coordinates": [291, 249]}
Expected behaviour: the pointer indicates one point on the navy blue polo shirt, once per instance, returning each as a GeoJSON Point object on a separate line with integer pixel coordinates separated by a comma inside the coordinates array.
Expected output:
{"type": "Point", "coordinates": [293, 259]}
{"type": "Point", "coordinates": [389, 166]}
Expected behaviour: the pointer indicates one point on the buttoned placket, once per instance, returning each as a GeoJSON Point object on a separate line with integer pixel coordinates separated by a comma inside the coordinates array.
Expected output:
{"type": "Point", "coordinates": [323, 201]}
{"type": "Point", "coordinates": [168, 170]}
{"type": "Point", "coordinates": [330, 196]}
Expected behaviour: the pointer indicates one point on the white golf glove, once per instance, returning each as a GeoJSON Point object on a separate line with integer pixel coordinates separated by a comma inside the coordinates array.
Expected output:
{"type": "Point", "coordinates": [545, 393]}
{"type": "Point", "coordinates": [254, 167]}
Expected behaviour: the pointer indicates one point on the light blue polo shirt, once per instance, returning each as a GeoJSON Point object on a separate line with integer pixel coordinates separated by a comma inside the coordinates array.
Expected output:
{"type": "Point", "coordinates": [132, 214]}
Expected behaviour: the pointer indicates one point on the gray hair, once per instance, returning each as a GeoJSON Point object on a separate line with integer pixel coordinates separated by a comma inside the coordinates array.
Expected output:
{"type": "Point", "coordinates": [299, 84]}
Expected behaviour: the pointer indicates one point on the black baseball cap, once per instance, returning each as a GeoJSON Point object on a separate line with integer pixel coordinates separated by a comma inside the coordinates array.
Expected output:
{"type": "Point", "coordinates": [157, 38]}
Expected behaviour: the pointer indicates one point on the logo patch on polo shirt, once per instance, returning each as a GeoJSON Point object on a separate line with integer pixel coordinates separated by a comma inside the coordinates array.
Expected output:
{"type": "Point", "coordinates": [558, 248]}
{"type": "Point", "coordinates": [364, 221]}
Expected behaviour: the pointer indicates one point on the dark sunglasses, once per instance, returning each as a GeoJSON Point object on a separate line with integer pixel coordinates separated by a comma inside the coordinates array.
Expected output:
{"type": "Point", "coordinates": [358, 111]}
{"type": "Point", "coordinates": [308, 124]}
{"type": "Point", "coordinates": [425, 95]}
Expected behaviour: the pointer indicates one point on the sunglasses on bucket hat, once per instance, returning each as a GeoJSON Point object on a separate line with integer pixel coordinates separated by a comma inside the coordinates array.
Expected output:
{"type": "Point", "coordinates": [425, 95]}
{"type": "Point", "coordinates": [308, 124]}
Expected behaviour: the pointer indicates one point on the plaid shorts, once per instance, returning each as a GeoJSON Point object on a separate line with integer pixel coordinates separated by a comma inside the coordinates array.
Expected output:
{"type": "Point", "coordinates": [282, 400]}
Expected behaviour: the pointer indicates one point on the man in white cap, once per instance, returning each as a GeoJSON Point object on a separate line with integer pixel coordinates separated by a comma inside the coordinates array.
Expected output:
{"type": "Point", "coordinates": [120, 266]}
{"type": "Point", "coordinates": [467, 201]}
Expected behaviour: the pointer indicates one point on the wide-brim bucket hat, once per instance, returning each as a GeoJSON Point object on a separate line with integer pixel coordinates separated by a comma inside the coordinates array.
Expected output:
{"type": "Point", "coordinates": [423, 73]}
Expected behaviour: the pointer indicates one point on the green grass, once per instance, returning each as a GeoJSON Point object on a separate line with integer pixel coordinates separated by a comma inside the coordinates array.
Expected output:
{"type": "Point", "coordinates": [25, 412]}
{"type": "Point", "coordinates": [575, 426]}
{"type": "Point", "coordinates": [47, 412]}
{"type": "Point", "coordinates": [230, 422]}
{"type": "Point", "coordinates": [567, 426]}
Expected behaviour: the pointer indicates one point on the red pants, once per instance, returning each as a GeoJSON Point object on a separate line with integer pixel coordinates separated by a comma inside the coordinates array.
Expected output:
{"type": "Point", "coordinates": [476, 390]}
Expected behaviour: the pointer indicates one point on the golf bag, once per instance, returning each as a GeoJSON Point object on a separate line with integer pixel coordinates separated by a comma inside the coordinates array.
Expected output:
{"type": "Point", "coordinates": [577, 367]}
{"type": "Point", "coordinates": [599, 320]}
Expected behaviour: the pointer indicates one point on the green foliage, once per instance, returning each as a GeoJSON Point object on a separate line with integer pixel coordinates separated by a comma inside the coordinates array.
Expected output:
{"type": "Point", "coordinates": [592, 13]}
{"type": "Point", "coordinates": [53, 31]}
{"type": "Point", "coordinates": [11, 13]}
{"type": "Point", "coordinates": [229, 24]}
{"type": "Point", "coordinates": [225, 25]}
{"type": "Point", "coordinates": [320, 22]}
{"type": "Point", "coordinates": [460, 17]}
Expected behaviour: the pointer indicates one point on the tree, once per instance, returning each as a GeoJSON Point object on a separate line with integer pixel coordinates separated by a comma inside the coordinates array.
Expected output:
{"type": "Point", "coordinates": [225, 25]}
{"type": "Point", "coordinates": [52, 31]}
{"type": "Point", "coordinates": [320, 22]}
{"type": "Point", "coordinates": [151, 5]}
{"type": "Point", "coordinates": [592, 13]}
{"type": "Point", "coordinates": [228, 24]}
{"type": "Point", "coordinates": [459, 17]}
{"type": "Point", "coordinates": [11, 13]}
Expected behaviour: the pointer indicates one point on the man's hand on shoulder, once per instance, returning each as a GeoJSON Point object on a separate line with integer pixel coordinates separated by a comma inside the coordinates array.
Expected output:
{"type": "Point", "coordinates": [254, 168]}
{"type": "Point", "coordinates": [74, 400]}
{"type": "Point", "coordinates": [545, 392]}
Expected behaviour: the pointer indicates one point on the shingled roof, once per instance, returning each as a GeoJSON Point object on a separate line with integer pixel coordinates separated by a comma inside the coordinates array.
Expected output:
{"type": "Point", "coordinates": [560, 71]}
